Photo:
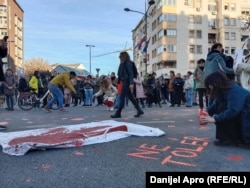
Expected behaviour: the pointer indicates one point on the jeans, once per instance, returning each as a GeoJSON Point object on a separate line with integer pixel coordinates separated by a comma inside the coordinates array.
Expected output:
{"type": "Point", "coordinates": [125, 92]}
{"type": "Point", "coordinates": [10, 101]}
{"type": "Point", "coordinates": [189, 97]}
{"type": "Point", "coordinates": [117, 100]}
{"type": "Point", "coordinates": [57, 96]}
{"type": "Point", "coordinates": [88, 96]}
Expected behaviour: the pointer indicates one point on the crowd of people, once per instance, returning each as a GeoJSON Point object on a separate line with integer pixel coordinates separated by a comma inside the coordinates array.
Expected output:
{"type": "Point", "coordinates": [216, 86]}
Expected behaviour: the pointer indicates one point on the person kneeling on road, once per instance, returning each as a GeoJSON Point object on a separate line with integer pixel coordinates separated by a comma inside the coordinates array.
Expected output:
{"type": "Point", "coordinates": [229, 110]}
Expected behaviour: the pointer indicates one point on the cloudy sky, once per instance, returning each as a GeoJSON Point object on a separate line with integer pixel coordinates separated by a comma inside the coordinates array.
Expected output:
{"type": "Point", "coordinates": [58, 30]}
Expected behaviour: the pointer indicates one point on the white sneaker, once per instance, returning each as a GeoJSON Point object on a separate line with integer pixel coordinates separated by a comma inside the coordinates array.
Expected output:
{"type": "Point", "coordinates": [111, 109]}
{"type": "Point", "coordinates": [108, 109]}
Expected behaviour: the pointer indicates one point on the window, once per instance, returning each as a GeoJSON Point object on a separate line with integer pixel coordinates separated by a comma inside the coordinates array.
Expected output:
{"type": "Point", "coordinates": [159, 49]}
{"type": "Point", "coordinates": [245, 11]}
{"type": "Point", "coordinates": [226, 35]}
{"type": "Point", "coordinates": [198, 34]}
{"type": "Point", "coordinates": [191, 19]}
{"type": "Point", "coordinates": [191, 33]}
{"type": "Point", "coordinates": [154, 25]}
{"type": "Point", "coordinates": [232, 50]}
{"type": "Point", "coordinates": [160, 19]}
{"type": "Point", "coordinates": [226, 6]}
{"type": "Point", "coordinates": [167, 17]}
{"type": "Point", "coordinates": [233, 36]}
{"type": "Point", "coordinates": [212, 22]}
{"type": "Point", "coordinates": [160, 34]}
{"type": "Point", "coordinates": [171, 32]}
{"type": "Point", "coordinates": [3, 9]}
{"type": "Point", "coordinates": [166, 32]}
{"type": "Point", "coordinates": [170, 17]}
{"type": "Point", "coordinates": [195, 34]}
{"type": "Point", "coordinates": [154, 53]}
{"type": "Point", "coordinates": [154, 39]}
{"type": "Point", "coordinates": [211, 7]}
{"type": "Point", "coordinates": [233, 22]}
{"type": "Point", "coordinates": [171, 48]}
{"type": "Point", "coordinates": [192, 49]}
{"type": "Point", "coordinates": [198, 3]}
{"type": "Point", "coordinates": [199, 49]}
{"type": "Point", "coordinates": [195, 19]}
{"type": "Point", "coordinates": [232, 7]}
{"type": "Point", "coordinates": [169, 2]}
{"type": "Point", "coordinates": [226, 50]}
{"type": "Point", "coordinates": [226, 21]}
{"type": "Point", "coordinates": [3, 32]}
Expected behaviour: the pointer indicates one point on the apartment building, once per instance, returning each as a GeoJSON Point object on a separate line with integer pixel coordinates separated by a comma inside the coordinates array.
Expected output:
{"type": "Point", "coordinates": [11, 24]}
{"type": "Point", "coordinates": [181, 32]}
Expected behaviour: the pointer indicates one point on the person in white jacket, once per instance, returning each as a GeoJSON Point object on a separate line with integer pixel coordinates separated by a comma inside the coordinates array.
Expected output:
{"type": "Point", "coordinates": [243, 69]}
{"type": "Point", "coordinates": [188, 87]}
{"type": "Point", "coordinates": [109, 91]}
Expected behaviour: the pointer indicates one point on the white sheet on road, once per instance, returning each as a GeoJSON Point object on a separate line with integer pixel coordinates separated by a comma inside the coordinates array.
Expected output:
{"type": "Point", "coordinates": [19, 143]}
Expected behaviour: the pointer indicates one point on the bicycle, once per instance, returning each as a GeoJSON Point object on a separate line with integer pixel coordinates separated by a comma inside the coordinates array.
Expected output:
{"type": "Point", "coordinates": [29, 100]}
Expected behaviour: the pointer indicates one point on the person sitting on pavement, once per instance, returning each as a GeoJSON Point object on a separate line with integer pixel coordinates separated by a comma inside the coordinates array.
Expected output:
{"type": "Point", "coordinates": [54, 86]}
{"type": "Point", "coordinates": [229, 111]}
{"type": "Point", "coordinates": [109, 91]}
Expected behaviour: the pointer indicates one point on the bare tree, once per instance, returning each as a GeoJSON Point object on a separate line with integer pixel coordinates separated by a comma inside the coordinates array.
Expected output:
{"type": "Point", "coordinates": [34, 64]}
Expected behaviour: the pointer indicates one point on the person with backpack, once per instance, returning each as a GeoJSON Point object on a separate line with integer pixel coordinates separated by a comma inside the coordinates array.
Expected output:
{"type": "Point", "coordinates": [216, 62]}
{"type": "Point", "coordinates": [126, 77]}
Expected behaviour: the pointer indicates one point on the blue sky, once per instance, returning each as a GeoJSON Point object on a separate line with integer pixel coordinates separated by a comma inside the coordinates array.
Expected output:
{"type": "Point", "coordinates": [58, 30]}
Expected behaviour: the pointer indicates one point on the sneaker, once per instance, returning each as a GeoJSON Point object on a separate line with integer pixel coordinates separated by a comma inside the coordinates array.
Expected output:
{"type": "Point", "coordinates": [108, 109]}
{"type": "Point", "coordinates": [63, 110]}
{"type": "Point", "coordinates": [111, 109]}
{"type": "Point", "coordinates": [2, 127]}
{"type": "Point", "coordinates": [47, 109]}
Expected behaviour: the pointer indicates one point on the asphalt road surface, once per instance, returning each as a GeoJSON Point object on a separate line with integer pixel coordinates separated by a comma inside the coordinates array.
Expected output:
{"type": "Point", "coordinates": [185, 147]}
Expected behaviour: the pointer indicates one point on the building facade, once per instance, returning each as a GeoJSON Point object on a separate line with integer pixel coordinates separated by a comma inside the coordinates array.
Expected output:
{"type": "Point", "coordinates": [181, 32]}
{"type": "Point", "coordinates": [11, 24]}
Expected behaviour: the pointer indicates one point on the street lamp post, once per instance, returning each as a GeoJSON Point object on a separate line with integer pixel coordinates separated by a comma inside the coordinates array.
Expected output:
{"type": "Point", "coordinates": [145, 16]}
{"type": "Point", "coordinates": [90, 46]}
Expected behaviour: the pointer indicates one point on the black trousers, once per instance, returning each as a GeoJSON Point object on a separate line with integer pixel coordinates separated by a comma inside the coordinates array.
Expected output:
{"type": "Point", "coordinates": [229, 130]}
{"type": "Point", "coordinates": [201, 94]}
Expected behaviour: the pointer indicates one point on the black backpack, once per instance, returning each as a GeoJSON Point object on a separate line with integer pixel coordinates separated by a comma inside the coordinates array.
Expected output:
{"type": "Point", "coordinates": [134, 69]}
{"type": "Point", "coordinates": [135, 72]}
{"type": "Point", "coordinates": [23, 85]}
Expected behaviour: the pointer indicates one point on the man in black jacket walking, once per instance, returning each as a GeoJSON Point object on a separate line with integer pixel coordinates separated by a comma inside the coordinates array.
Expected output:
{"type": "Point", "coordinates": [126, 75]}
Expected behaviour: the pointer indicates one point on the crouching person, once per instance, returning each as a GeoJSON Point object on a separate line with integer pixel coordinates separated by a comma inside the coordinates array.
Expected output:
{"type": "Point", "coordinates": [109, 92]}
{"type": "Point", "coordinates": [229, 111]}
